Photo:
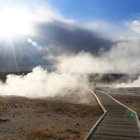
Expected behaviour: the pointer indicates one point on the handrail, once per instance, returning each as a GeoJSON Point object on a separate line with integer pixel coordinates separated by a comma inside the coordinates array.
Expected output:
{"type": "Point", "coordinates": [93, 129]}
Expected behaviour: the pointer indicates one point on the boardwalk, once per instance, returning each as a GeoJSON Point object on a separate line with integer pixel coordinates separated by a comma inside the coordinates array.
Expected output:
{"type": "Point", "coordinates": [119, 123]}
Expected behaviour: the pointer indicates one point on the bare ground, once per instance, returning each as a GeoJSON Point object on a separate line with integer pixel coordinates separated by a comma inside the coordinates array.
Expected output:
{"type": "Point", "coordinates": [38, 119]}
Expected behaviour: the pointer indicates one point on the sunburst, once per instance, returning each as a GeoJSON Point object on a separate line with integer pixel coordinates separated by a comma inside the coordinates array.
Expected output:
{"type": "Point", "coordinates": [14, 21]}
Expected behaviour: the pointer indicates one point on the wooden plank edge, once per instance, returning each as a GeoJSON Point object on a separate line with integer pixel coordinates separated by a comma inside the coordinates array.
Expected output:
{"type": "Point", "coordinates": [97, 100]}
{"type": "Point", "coordinates": [93, 129]}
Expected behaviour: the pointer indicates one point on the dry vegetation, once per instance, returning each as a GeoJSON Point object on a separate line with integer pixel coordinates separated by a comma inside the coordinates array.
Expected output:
{"type": "Point", "coordinates": [80, 110]}
{"type": "Point", "coordinates": [4, 104]}
{"type": "Point", "coordinates": [49, 134]}
{"type": "Point", "coordinates": [36, 119]}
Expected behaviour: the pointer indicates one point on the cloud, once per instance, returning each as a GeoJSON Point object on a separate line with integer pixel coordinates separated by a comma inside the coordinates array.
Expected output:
{"type": "Point", "coordinates": [104, 28]}
{"type": "Point", "coordinates": [75, 40]}
{"type": "Point", "coordinates": [47, 14]}
{"type": "Point", "coordinates": [134, 25]}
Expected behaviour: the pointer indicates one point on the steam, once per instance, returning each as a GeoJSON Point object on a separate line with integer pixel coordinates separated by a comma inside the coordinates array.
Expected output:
{"type": "Point", "coordinates": [122, 58]}
{"type": "Point", "coordinates": [40, 83]}
{"type": "Point", "coordinates": [83, 62]}
{"type": "Point", "coordinates": [135, 83]}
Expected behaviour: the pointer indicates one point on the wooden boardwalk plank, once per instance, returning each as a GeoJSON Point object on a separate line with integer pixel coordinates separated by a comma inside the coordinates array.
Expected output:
{"type": "Point", "coordinates": [111, 137]}
{"type": "Point", "coordinates": [118, 132]}
{"type": "Point", "coordinates": [120, 123]}
{"type": "Point", "coordinates": [122, 127]}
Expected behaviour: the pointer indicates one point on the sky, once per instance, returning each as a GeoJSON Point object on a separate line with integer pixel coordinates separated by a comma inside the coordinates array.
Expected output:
{"type": "Point", "coordinates": [90, 35]}
{"type": "Point", "coordinates": [108, 10]}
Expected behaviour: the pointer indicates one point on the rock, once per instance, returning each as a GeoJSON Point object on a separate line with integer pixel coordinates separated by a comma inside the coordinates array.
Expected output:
{"type": "Point", "coordinates": [4, 120]}
{"type": "Point", "coordinates": [128, 101]}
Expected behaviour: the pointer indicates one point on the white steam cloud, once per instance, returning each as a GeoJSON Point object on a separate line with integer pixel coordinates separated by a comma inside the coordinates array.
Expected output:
{"type": "Point", "coordinates": [135, 83]}
{"type": "Point", "coordinates": [40, 83]}
{"type": "Point", "coordinates": [122, 58]}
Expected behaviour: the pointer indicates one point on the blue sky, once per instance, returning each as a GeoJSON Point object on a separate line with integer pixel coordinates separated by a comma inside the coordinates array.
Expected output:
{"type": "Point", "coordinates": [110, 10]}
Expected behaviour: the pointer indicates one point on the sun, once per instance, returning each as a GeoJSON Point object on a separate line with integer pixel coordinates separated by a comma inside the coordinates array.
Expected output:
{"type": "Point", "coordinates": [14, 21]}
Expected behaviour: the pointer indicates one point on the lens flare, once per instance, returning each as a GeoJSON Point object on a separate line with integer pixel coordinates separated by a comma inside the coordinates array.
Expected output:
{"type": "Point", "coordinates": [29, 40]}
{"type": "Point", "coordinates": [129, 113]}
{"type": "Point", "coordinates": [34, 43]}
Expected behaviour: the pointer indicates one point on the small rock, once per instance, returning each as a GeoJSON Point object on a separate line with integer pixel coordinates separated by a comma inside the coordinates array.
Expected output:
{"type": "Point", "coordinates": [128, 101]}
{"type": "Point", "coordinates": [77, 123]}
{"type": "Point", "coordinates": [4, 120]}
